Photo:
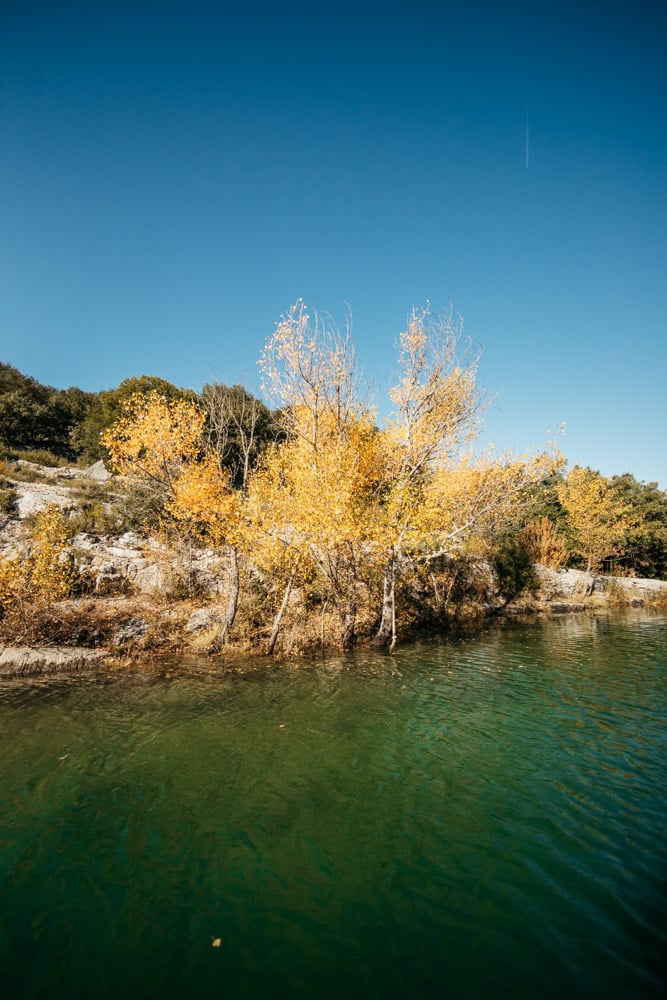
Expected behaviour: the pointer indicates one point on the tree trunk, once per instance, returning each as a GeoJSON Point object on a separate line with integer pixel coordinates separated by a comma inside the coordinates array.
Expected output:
{"type": "Point", "coordinates": [233, 599]}
{"type": "Point", "coordinates": [324, 608]}
{"type": "Point", "coordinates": [386, 633]}
{"type": "Point", "coordinates": [281, 611]}
{"type": "Point", "coordinates": [349, 618]}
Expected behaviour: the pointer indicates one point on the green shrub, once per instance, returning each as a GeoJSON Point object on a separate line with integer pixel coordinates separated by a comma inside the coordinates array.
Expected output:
{"type": "Point", "coordinates": [514, 567]}
{"type": "Point", "coordinates": [8, 497]}
{"type": "Point", "coordinates": [95, 518]}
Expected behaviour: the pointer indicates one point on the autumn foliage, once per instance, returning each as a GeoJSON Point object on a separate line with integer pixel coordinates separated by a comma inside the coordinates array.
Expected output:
{"type": "Point", "coordinates": [598, 515]}
{"type": "Point", "coordinates": [334, 526]}
{"type": "Point", "coordinates": [342, 514]}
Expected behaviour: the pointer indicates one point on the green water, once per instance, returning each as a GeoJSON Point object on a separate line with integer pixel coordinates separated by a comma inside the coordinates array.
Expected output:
{"type": "Point", "coordinates": [480, 817]}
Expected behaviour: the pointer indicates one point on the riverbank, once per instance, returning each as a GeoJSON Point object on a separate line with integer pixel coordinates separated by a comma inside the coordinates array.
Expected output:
{"type": "Point", "coordinates": [141, 597]}
{"type": "Point", "coordinates": [120, 631]}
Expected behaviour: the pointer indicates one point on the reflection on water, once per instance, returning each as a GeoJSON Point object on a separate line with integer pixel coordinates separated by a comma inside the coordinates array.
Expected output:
{"type": "Point", "coordinates": [476, 817]}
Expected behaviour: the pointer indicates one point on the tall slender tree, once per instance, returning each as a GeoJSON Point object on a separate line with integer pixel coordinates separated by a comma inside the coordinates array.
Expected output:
{"type": "Point", "coordinates": [311, 493]}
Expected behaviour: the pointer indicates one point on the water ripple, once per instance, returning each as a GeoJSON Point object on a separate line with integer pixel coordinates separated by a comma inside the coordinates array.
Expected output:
{"type": "Point", "coordinates": [475, 817]}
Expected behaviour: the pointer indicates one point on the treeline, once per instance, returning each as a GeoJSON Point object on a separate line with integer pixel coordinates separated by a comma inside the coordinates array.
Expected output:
{"type": "Point", "coordinates": [581, 519]}
{"type": "Point", "coordinates": [38, 417]}
{"type": "Point", "coordinates": [68, 424]}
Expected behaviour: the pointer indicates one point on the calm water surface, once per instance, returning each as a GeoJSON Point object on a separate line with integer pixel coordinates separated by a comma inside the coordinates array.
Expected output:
{"type": "Point", "coordinates": [481, 817]}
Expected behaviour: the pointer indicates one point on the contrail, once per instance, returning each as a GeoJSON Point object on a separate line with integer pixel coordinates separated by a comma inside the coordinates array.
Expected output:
{"type": "Point", "coordinates": [527, 140]}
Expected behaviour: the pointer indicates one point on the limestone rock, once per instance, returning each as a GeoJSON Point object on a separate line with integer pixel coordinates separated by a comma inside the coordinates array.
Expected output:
{"type": "Point", "coordinates": [203, 619]}
{"type": "Point", "coordinates": [130, 631]}
{"type": "Point", "coordinates": [98, 472]}
{"type": "Point", "coordinates": [20, 660]}
{"type": "Point", "coordinates": [33, 497]}
{"type": "Point", "coordinates": [561, 582]}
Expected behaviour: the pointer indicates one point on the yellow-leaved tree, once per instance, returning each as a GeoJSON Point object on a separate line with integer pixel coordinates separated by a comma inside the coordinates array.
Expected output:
{"type": "Point", "coordinates": [438, 493]}
{"type": "Point", "coordinates": [311, 511]}
{"type": "Point", "coordinates": [309, 498]}
{"type": "Point", "coordinates": [160, 443]}
{"type": "Point", "coordinates": [155, 438]}
{"type": "Point", "coordinates": [353, 501]}
{"type": "Point", "coordinates": [599, 517]}
{"type": "Point", "coordinates": [437, 407]}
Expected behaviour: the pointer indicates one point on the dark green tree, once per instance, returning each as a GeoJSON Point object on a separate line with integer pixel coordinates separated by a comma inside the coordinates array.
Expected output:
{"type": "Point", "coordinates": [239, 427]}
{"type": "Point", "coordinates": [646, 551]}
{"type": "Point", "coordinates": [36, 416]}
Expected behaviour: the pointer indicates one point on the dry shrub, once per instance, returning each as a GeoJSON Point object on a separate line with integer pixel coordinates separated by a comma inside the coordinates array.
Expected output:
{"type": "Point", "coordinates": [544, 543]}
{"type": "Point", "coordinates": [32, 581]}
{"type": "Point", "coordinates": [658, 601]}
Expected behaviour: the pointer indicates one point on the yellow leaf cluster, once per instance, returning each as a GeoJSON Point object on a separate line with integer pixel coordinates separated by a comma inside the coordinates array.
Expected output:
{"type": "Point", "coordinates": [155, 437]}
{"type": "Point", "coordinates": [479, 495]}
{"type": "Point", "coordinates": [203, 497]}
{"type": "Point", "coordinates": [160, 442]}
{"type": "Point", "coordinates": [315, 507]}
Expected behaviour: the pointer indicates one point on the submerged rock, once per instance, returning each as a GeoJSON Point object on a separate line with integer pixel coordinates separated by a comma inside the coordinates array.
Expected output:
{"type": "Point", "coordinates": [565, 607]}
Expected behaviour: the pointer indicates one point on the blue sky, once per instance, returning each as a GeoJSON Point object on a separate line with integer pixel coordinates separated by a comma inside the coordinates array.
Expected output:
{"type": "Point", "coordinates": [173, 175]}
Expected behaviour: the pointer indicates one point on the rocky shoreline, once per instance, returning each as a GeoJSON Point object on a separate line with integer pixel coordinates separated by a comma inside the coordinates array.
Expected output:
{"type": "Point", "coordinates": [109, 631]}
{"type": "Point", "coordinates": [566, 586]}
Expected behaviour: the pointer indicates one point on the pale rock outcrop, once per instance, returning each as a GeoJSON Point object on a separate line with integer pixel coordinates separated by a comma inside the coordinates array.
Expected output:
{"type": "Point", "coordinates": [144, 564]}
{"type": "Point", "coordinates": [574, 583]}
{"type": "Point", "coordinates": [98, 472]}
{"type": "Point", "coordinates": [22, 660]}
{"type": "Point", "coordinates": [561, 582]}
{"type": "Point", "coordinates": [33, 497]}
{"type": "Point", "coordinates": [52, 488]}
{"type": "Point", "coordinates": [203, 619]}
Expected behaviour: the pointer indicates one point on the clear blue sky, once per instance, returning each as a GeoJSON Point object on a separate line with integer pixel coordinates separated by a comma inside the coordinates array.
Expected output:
{"type": "Point", "coordinates": [173, 175]}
